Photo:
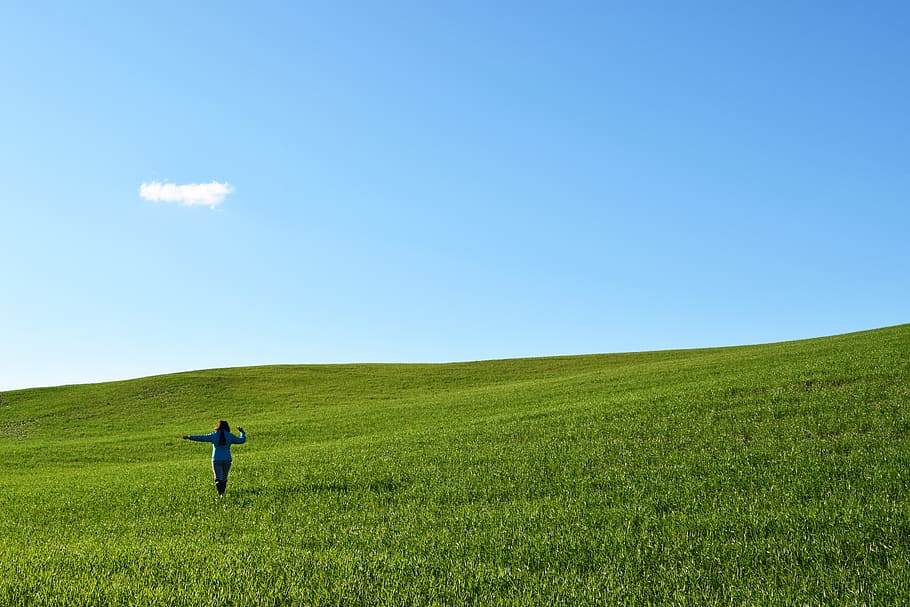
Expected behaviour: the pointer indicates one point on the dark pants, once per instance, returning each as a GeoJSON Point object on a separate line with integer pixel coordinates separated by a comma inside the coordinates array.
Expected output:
{"type": "Point", "coordinates": [221, 470]}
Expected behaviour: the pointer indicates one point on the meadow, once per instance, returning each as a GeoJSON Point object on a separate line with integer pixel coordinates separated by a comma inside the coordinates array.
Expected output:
{"type": "Point", "coordinates": [772, 474]}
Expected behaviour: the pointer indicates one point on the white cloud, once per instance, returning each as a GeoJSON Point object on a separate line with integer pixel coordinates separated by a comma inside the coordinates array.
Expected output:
{"type": "Point", "coordinates": [189, 194]}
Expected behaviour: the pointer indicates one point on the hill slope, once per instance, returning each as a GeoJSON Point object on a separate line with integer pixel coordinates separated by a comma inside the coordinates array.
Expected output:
{"type": "Point", "coordinates": [750, 475]}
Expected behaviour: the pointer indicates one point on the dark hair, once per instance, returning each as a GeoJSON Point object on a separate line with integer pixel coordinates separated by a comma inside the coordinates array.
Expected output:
{"type": "Point", "coordinates": [222, 427]}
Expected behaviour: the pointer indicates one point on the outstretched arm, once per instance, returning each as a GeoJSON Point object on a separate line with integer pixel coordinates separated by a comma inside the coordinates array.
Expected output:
{"type": "Point", "coordinates": [205, 438]}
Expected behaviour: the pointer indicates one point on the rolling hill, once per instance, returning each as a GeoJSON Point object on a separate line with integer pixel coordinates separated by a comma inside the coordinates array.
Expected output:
{"type": "Point", "coordinates": [766, 474]}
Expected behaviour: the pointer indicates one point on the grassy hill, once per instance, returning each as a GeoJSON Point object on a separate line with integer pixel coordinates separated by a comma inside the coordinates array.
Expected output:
{"type": "Point", "coordinates": [772, 474]}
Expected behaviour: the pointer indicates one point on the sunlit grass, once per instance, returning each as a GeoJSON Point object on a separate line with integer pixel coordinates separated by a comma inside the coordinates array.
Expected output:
{"type": "Point", "coordinates": [761, 475]}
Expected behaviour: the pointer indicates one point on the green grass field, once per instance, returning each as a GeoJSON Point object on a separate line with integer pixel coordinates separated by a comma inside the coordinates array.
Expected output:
{"type": "Point", "coordinates": [760, 475]}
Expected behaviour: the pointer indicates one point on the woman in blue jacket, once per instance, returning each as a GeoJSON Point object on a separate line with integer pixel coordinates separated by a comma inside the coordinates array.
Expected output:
{"type": "Point", "coordinates": [221, 440]}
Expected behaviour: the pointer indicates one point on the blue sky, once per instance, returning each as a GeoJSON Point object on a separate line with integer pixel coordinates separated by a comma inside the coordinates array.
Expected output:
{"type": "Point", "coordinates": [423, 181]}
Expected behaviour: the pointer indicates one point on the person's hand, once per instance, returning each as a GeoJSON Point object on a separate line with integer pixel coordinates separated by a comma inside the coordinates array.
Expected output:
{"type": "Point", "coordinates": [240, 429]}
{"type": "Point", "coordinates": [185, 437]}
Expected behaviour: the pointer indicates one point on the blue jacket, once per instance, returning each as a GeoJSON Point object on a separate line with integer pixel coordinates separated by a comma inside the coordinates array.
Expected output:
{"type": "Point", "coordinates": [220, 453]}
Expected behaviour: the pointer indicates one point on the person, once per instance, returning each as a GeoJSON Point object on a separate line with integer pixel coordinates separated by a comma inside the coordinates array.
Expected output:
{"type": "Point", "coordinates": [221, 440]}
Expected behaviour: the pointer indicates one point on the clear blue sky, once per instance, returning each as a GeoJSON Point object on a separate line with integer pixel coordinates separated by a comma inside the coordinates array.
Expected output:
{"type": "Point", "coordinates": [441, 181]}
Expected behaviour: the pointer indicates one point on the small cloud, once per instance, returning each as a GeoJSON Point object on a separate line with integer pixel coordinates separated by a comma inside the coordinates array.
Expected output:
{"type": "Point", "coordinates": [189, 194]}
